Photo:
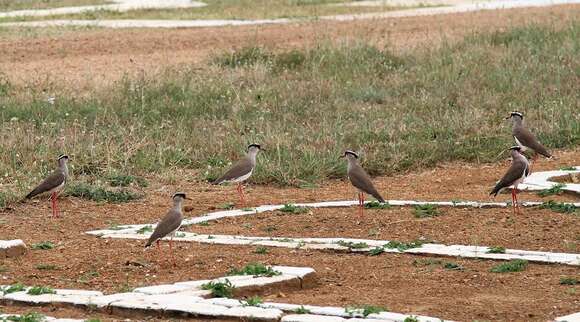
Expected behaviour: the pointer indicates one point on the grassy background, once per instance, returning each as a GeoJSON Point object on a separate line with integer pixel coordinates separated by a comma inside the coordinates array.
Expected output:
{"type": "Point", "coordinates": [227, 9]}
{"type": "Point", "coordinates": [305, 106]}
{"type": "Point", "coordinates": [9, 5]}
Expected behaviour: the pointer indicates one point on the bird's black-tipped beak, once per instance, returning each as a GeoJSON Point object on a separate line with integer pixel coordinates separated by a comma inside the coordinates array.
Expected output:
{"type": "Point", "coordinates": [509, 117]}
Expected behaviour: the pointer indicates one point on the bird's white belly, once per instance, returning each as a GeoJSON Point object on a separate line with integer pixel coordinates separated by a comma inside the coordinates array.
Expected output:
{"type": "Point", "coordinates": [57, 188]}
{"type": "Point", "coordinates": [244, 177]}
{"type": "Point", "coordinates": [524, 148]}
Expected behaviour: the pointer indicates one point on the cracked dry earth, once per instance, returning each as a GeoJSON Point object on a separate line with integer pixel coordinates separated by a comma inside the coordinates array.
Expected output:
{"type": "Point", "coordinates": [401, 282]}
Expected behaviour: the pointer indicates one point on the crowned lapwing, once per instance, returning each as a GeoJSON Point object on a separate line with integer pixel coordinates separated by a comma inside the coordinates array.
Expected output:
{"type": "Point", "coordinates": [169, 224]}
{"type": "Point", "coordinates": [241, 170]}
{"type": "Point", "coordinates": [517, 172]}
{"type": "Point", "coordinates": [360, 179]}
{"type": "Point", "coordinates": [524, 138]}
{"type": "Point", "coordinates": [53, 184]}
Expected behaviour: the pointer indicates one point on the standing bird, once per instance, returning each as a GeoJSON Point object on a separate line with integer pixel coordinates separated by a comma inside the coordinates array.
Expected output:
{"type": "Point", "coordinates": [360, 179]}
{"type": "Point", "coordinates": [517, 172]}
{"type": "Point", "coordinates": [53, 184]}
{"type": "Point", "coordinates": [524, 138]}
{"type": "Point", "coordinates": [169, 224]}
{"type": "Point", "coordinates": [241, 171]}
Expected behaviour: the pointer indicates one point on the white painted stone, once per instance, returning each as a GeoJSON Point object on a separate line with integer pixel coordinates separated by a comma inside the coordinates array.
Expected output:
{"type": "Point", "coordinates": [311, 318]}
{"type": "Point", "coordinates": [575, 317]}
{"type": "Point", "coordinates": [106, 300]}
{"type": "Point", "coordinates": [163, 289]}
{"type": "Point", "coordinates": [77, 297]}
{"type": "Point", "coordinates": [252, 312]}
{"type": "Point", "coordinates": [222, 301]}
{"type": "Point", "coordinates": [295, 271]}
{"type": "Point", "coordinates": [12, 248]}
{"type": "Point", "coordinates": [5, 244]}
{"type": "Point", "coordinates": [157, 302]}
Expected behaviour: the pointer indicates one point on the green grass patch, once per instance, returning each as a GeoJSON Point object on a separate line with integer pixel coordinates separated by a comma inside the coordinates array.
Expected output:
{"type": "Point", "coordinates": [554, 190]}
{"type": "Point", "coordinates": [145, 229]}
{"type": "Point", "coordinates": [569, 281]}
{"type": "Point", "coordinates": [364, 310]}
{"type": "Point", "coordinates": [255, 269]}
{"type": "Point", "coordinates": [293, 209]}
{"type": "Point", "coordinates": [352, 245]}
{"type": "Point", "coordinates": [219, 289]}
{"type": "Point", "coordinates": [452, 266]}
{"type": "Point", "coordinates": [377, 205]}
{"type": "Point", "coordinates": [516, 265]}
{"type": "Point", "coordinates": [18, 287]}
{"type": "Point", "coordinates": [39, 290]}
{"type": "Point", "coordinates": [302, 310]}
{"type": "Point", "coordinates": [425, 211]}
{"type": "Point", "coordinates": [252, 301]}
{"type": "Point", "coordinates": [496, 250]}
{"type": "Point", "coordinates": [261, 250]}
{"type": "Point", "coordinates": [45, 245]}
{"type": "Point", "coordinates": [443, 98]}
{"type": "Point", "coordinates": [11, 5]}
{"type": "Point", "coordinates": [569, 168]}
{"type": "Point", "coordinates": [560, 207]}
{"type": "Point", "coordinates": [227, 206]}
{"type": "Point", "coordinates": [376, 251]}
{"type": "Point", "coordinates": [203, 223]}
{"type": "Point", "coordinates": [100, 194]}
{"type": "Point", "coordinates": [403, 246]}
{"type": "Point", "coordinates": [27, 317]}
{"type": "Point", "coordinates": [411, 319]}
{"type": "Point", "coordinates": [426, 262]}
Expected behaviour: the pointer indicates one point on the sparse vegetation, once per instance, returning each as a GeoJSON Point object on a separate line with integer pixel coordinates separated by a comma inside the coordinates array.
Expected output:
{"type": "Point", "coordinates": [145, 229]}
{"type": "Point", "coordinates": [427, 262]}
{"type": "Point", "coordinates": [219, 289]}
{"type": "Point", "coordinates": [554, 190]}
{"type": "Point", "coordinates": [403, 246]}
{"type": "Point", "coordinates": [516, 265]}
{"type": "Point", "coordinates": [252, 301]}
{"type": "Point", "coordinates": [125, 180]}
{"type": "Point", "coordinates": [411, 318]}
{"type": "Point", "coordinates": [352, 245]}
{"type": "Point", "coordinates": [559, 206]}
{"type": "Point", "coordinates": [255, 269]}
{"type": "Point", "coordinates": [377, 205]}
{"type": "Point", "coordinates": [18, 287]}
{"type": "Point", "coordinates": [452, 266]}
{"type": "Point", "coordinates": [203, 223]}
{"type": "Point", "coordinates": [376, 251]}
{"type": "Point", "coordinates": [364, 310]}
{"type": "Point", "coordinates": [45, 245]}
{"type": "Point", "coordinates": [227, 206]}
{"type": "Point", "coordinates": [425, 211]}
{"type": "Point", "coordinates": [569, 168]}
{"type": "Point", "coordinates": [302, 310]}
{"type": "Point", "coordinates": [100, 194]}
{"type": "Point", "coordinates": [39, 290]}
{"type": "Point", "coordinates": [293, 209]}
{"type": "Point", "coordinates": [496, 250]}
{"type": "Point", "coordinates": [569, 281]}
{"type": "Point", "coordinates": [46, 267]}
{"type": "Point", "coordinates": [27, 317]}
{"type": "Point", "coordinates": [261, 250]}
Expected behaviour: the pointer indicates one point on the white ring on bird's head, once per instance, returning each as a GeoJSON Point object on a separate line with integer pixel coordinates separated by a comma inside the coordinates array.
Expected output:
{"type": "Point", "coordinates": [62, 156]}
{"type": "Point", "coordinates": [180, 194]}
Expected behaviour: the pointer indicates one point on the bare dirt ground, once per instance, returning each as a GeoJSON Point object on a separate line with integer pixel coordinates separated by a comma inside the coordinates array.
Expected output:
{"type": "Point", "coordinates": [87, 58]}
{"type": "Point", "coordinates": [391, 280]}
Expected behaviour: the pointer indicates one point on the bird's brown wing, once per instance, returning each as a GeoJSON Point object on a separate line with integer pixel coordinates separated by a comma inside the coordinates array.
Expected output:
{"type": "Point", "coordinates": [54, 180]}
{"type": "Point", "coordinates": [240, 168]}
{"type": "Point", "coordinates": [168, 224]}
{"type": "Point", "coordinates": [528, 139]}
{"type": "Point", "coordinates": [515, 172]}
{"type": "Point", "coordinates": [361, 180]}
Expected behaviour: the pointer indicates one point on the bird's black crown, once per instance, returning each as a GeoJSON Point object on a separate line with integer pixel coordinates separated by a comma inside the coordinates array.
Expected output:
{"type": "Point", "coordinates": [516, 147]}
{"type": "Point", "coordinates": [351, 153]}
{"type": "Point", "coordinates": [516, 113]}
{"type": "Point", "coordinates": [62, 156]}
{"type": "Point", "coordinates": [179, 194]}
{"type": "Point", "coordinates": [254, 145]}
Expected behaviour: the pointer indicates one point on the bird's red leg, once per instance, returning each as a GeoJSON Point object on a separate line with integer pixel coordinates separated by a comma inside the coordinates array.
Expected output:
{"type": "Point", "coordinates": [514, 200]}
{"type": "Point", "coordinates": [56, 205]}
{"type": "Point", "coordinates": [242, 195]}
{"type": "Point", "coordinates": [171, 251]}
{"type": "Point", "coordinates": [516, 197]}
{"type": "Point", "coordinates": [158, 251]}
{"type": "Point", "coordinates": [362, 203]}
{"type": "Point", "coordinates": [53, 205]}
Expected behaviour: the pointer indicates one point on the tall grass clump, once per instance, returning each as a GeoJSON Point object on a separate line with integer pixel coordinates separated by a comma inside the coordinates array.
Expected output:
{"type": "Point", "coordinates": [305, 106]}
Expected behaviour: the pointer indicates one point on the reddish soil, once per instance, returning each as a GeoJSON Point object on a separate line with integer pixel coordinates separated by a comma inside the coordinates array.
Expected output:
{"type": "Point", "coordinates": [392, 280]}
{"type": "Point", "coordinates": [87, 58]}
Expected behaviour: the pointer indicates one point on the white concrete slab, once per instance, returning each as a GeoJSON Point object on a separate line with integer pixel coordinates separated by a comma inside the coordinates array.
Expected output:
{"type": "Point", "coordinates": [575, 317]}
{"type": "Point", "coordinates": [311, 318]}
